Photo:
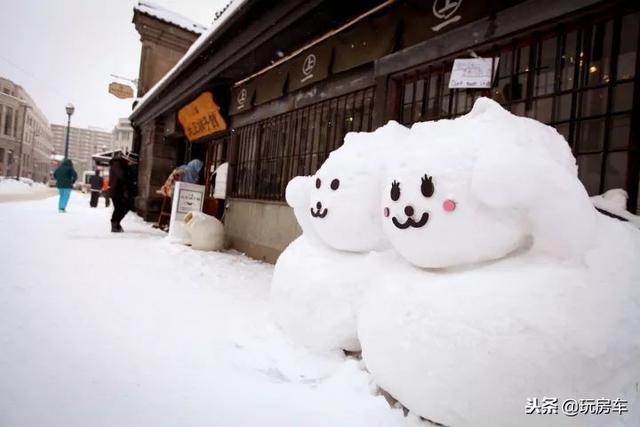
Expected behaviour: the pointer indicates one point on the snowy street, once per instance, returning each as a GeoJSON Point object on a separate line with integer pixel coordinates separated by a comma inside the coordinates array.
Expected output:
{"type": "Point", "coordinates": [102, 329]}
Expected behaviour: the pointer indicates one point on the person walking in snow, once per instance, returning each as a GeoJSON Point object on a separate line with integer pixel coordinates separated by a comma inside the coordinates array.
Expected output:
{"type": "Point", "coordinates": [96, 188]}
{"type": "Point", "coordinates": [65, 176]}
{"type": "Point", "coordinates": [120, 190]}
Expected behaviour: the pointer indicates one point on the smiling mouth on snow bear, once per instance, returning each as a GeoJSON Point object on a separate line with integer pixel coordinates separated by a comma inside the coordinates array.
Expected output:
{"type": "Point", "coordinates": [319, 213]}
{"type": "Point", "coordinates": [410, 222]}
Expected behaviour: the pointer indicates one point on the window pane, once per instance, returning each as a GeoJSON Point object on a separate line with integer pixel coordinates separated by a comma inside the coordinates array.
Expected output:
{"type": "Point", "coordinates": [518, 109]}
{"type": "Point", "coordinates": [616, 170]}
{"type": "Point", "coordinates": [620, 132]}
{"type": "Point", "coordinates": [407, 102]}
{"type": "Point", "coordinates": [590, 135]}
{"type": "Point", "coordinates": [628, 47]}
{"type": "Point", "coordinates": [563, 107]}
{"type": "Point", "coordinates": [542, 109]}
{"type": "Point", "coordinates": [623, 97]}
{"type": "Point", "coordinates": [589, 172]}
{"type": "Point", "coordinates": [594, 102]}
{"type": "Point", "coordinates": [417, 111]}
{"type": "Point", "coordinates": [545, 74]}
{"type": "Point", "coordinates": [568, 61]}
{"type": "Point", "coordinates": [601, 38]}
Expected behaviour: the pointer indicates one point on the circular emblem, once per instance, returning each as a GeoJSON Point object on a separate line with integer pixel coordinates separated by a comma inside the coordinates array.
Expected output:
{"type": "Point", "coordinates": [242, 96]}
{"type": "Point", "coordinates": [443, 9]}
{"type": "Point", "coordinates": [309, 64]}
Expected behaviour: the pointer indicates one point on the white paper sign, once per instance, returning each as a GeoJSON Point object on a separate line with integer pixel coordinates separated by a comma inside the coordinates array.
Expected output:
{"type": "Point", "coordinates": [220, 188]}
{"type": "Point", "coordinates": [473, 73]}
{"type": "Point", "coordinates": [186, 198]}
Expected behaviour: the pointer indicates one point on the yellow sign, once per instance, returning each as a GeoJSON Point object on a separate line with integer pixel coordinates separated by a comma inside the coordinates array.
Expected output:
{"type": "Point", "coordinates": [201, 117]}
{"type": "Point", "coordinates": [121, 91]}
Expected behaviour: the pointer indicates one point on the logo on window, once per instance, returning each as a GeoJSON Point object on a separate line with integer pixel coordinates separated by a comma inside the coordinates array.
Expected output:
{"type": "Point", "coordinates": [444, 10]}
{"type": "Point", "coordinates": [307, 67]}
{"type": "Point", "coordinates": [242, 98]}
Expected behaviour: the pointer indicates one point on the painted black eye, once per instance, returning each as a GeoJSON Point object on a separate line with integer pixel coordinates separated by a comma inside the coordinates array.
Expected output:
{"type": "Point", "coordinates": [427, 186]}
{"type": "Point", "coordinates": [318, 182]}
{"type": "Point", "coordinates": [335, 184]}
{"type": "Point", "coordinates": [395, 191]}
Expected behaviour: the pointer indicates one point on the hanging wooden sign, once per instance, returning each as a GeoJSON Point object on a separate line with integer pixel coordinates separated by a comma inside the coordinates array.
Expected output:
{"type": "Point", "coordinates": [121, 91]}
{"type": "Point", "coordinates": [201, 117]}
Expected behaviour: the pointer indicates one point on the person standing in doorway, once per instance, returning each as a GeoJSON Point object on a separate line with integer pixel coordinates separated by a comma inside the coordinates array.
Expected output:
{"type": "Point", "coordinates": [119, 191]}
{"type": "Point", "coordinates": [96, 188]}
{"type": "Point", "coordinates": [65, 176]}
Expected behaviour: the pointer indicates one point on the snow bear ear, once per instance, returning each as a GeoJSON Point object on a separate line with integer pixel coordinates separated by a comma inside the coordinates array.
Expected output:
{"type": "Point", "coordinates": [550, 200]}
{"type": "Point", "coordinates": [486, 106]}
{"type": "Point", "coordinates": [298, 191]}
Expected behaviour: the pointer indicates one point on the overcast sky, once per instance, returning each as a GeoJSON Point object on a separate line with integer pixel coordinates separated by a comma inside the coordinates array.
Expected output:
{"type": "Point", "coordinates": [65, 50]}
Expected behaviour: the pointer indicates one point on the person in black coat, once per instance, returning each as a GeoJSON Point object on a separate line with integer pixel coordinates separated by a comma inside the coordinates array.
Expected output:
{"type": "Point", "coordinates": [96, 188]}
{"type": "Point", "coordinates": [120, 190]}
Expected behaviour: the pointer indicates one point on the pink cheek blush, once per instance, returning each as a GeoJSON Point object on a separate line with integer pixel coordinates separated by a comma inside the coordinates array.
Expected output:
{"type": "Point", "coordinates": [386, 212]}
{"type": "Point", "coordinates": [449, 205]}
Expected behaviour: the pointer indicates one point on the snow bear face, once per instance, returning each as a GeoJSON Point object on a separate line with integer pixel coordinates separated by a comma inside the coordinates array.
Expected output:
{"type": "Point", "coordinates": [343, 206]}
{"type": "Point", "coordinates": [432, 219]}
{"type": "Point", "coordinates": [481, 186]}
{"type": "Point", "coordinates": [339, 205]}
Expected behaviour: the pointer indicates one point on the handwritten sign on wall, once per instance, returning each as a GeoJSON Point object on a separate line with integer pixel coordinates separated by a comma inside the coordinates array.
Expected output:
{"type": "Point", "coordinates": [201, 117]}
{"type": "Point", "coordinates": [473, 73]}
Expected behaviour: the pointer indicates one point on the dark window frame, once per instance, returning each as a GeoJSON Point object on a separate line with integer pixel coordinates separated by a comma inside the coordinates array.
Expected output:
{"type": "Point", "coordinates": [565, 101]}
{"type": "Point", "coordinates": [270, 152]}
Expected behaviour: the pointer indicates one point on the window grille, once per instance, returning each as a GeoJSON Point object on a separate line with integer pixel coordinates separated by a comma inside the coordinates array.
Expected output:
{"type": "Point", "coordinates": [581, 79]}
{"type": "Point", "coordinates": [271, 152]}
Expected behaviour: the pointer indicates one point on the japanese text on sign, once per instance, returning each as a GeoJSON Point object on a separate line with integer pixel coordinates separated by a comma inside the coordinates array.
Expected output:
{"type": "Point", "coordinates": [201, 117]}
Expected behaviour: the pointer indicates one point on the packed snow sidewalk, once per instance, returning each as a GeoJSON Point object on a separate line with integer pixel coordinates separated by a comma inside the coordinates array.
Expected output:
{"type": "Point", "coordinates": [25, 189]}
{"type": "Point", "coordinates": [101, 329]}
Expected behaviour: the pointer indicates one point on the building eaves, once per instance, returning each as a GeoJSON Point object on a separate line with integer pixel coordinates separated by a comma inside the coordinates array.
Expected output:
{"type": "Point", "coordinates": [222, 19]}
{"type": "Point", "coordinates": [162, 14]}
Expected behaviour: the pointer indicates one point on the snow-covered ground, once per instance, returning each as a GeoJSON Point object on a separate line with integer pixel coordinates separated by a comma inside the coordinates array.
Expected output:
{"type": "Point", "coordinates": [101, 329]}
{"type": "Point", "coordinates": [9, 186]}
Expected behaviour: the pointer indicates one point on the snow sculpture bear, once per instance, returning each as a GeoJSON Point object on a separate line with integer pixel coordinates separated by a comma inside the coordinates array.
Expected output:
{"type": "Point", "coordinates": [319, 279]}
{"type": "Point", "coordinates": [529, 292]}
{"type": "Point", "coordinates": [485, 184]}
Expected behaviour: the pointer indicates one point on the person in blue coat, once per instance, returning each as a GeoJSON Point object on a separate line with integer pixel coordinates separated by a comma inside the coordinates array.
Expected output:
{"type": "Point", "coordinates": [65, 176]}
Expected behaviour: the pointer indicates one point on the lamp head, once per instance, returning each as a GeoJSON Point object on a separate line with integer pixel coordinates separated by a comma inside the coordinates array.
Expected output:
{"type": "Point", "coordinates": [70, 109]}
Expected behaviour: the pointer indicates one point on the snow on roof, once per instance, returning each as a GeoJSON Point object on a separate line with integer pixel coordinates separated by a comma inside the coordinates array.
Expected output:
{"type": "Point", "coordinates": [220, 18]}
{"type": "Point", "coordinates": [165, 15]}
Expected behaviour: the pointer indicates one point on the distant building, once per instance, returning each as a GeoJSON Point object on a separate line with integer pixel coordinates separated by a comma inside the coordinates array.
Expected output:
{"type": "Point", "coordinates": [83, 143]}
{"type": "Point", "coordinates": [122, 135]}
{"type": "Point", "coordinates": [23, 136]}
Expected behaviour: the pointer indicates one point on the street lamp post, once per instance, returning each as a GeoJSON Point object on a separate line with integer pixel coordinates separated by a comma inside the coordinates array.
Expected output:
{"type": "Point", "coordinates": [70, 108]}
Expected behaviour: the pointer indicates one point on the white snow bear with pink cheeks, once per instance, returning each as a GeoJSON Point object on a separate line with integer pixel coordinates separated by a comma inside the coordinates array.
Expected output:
{"type": "Point", "coordinates": [320, 278]}
{"type": "Point", "coordinates": [505, 287]}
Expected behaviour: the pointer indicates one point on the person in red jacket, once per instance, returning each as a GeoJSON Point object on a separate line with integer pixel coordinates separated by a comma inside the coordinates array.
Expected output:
{"type": "Point", "coordinates": [105, 191]}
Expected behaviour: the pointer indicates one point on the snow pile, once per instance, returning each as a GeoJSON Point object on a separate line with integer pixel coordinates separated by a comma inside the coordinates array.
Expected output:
{"type": "Point", "coordinates": [502, 283]}
{"type": "Point", "coordinates": [11, 186]}
{"type": "Point", "coordinates": [615, 202]}
{"type": "Point", "coordinates": [319, 279]}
